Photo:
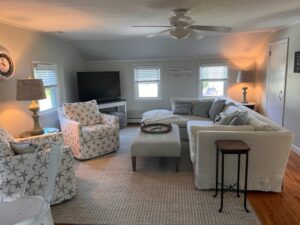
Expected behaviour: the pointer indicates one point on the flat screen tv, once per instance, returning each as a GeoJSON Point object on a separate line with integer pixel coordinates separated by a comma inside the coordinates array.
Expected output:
{"type": "Point", "coordinates": [102, 86]}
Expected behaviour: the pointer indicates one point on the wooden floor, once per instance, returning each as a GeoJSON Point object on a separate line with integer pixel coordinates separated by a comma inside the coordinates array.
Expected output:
{"type": "Point", "coordinates": [279, 208]}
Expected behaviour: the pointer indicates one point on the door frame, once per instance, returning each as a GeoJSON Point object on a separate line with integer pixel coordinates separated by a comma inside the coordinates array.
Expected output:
{"type": "Point", "coordinates": [285, 40]}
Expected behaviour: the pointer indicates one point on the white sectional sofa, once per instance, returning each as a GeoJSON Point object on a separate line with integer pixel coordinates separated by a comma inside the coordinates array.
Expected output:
{"type": "Point", "coordinates": [270, 147]}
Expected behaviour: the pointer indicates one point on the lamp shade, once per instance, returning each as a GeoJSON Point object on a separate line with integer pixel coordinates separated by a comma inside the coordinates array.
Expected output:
{"type": "Point", "coordinates": [244, 76]}
{"type": "Point", "coordinates": [30, 89]}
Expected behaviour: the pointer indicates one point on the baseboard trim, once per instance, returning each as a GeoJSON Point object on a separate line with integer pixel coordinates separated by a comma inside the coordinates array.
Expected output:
{"type": "Point", "coordinates": [296, 149]}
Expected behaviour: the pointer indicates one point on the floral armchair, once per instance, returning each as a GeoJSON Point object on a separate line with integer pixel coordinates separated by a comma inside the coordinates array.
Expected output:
{"type": "Point", "coordinates": [88, 132]}
{"type": "Point", "coordinates": [29, 171]}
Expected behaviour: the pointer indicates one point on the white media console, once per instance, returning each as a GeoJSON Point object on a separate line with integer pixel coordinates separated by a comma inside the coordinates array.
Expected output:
{"type": "Point", "coordinates": [120, 105]}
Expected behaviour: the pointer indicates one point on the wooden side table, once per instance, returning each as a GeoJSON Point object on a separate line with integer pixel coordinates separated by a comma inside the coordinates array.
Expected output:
{"type": "Point", "coordinates": [250, 105]}
{"type": "Point", "coordinates": [236, 147]}
{"type": "Point", "coordinates": [47, 130]}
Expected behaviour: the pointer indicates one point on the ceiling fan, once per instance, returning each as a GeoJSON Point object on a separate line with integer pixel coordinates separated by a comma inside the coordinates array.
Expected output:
{"type": "Point", "coordinates": [182, 26]}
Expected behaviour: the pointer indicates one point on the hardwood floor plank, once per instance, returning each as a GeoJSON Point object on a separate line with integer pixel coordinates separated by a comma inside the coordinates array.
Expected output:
{"type": "Point", "coordinates": [281, 208]}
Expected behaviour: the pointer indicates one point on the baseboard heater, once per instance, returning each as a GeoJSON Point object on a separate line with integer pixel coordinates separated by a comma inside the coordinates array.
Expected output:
{"type": "Point", "coordinates": [133, 120]}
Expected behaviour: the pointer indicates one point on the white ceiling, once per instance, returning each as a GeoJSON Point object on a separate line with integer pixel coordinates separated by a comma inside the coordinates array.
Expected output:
{"type": "Point", "coordinates": [112, 19]}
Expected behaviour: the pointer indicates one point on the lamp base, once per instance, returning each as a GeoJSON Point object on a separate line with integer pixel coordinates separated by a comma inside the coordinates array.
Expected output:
{"type": "Point", "coordinates": [37, 129]}
{"type": "Point", "coordinates": [244, 94]}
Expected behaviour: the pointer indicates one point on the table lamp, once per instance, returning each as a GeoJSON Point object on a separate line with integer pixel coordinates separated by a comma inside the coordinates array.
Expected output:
{"type": "Point", "coordinates": [244, 76]}
{"type": "Point", "coordinates": [32, 90]}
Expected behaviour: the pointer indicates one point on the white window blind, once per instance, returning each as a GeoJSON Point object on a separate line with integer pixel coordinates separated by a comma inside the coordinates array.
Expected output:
{"type": "Point", "coordinates": [213, 80]}
{"type": "Point", "coordinates": [147, 82]}
{"type": "Point", "coordinates": [47, 72]}
{"type": "Point", "coordinates": [213, 72]}
{"type": "Point", "coordinates": [147, 73]}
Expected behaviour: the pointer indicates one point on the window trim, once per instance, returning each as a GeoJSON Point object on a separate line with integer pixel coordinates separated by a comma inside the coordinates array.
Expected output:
{"type": "Point", "coordinates": [54, 109]}
{"type": "Point", "coordinates": [200, 86]}
{"type": "Point", "coordinates": [136, 97]}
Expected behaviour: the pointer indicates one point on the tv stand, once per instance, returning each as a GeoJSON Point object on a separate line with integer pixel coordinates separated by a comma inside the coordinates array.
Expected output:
{"type": "Point", "coordinates": [120, 104]}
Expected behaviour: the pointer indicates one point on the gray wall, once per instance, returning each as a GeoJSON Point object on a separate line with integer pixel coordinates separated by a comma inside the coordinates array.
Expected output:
{"type": "Point", "coordinates": [25, 47]}
{"type": "Point", "coordinates": [292, 106]}
{"type": "Point", "coordinates": [178, 86]}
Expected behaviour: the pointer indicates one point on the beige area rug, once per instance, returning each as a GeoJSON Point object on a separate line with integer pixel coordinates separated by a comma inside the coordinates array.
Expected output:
{"type": "Point", "coordinates": [109, 193]}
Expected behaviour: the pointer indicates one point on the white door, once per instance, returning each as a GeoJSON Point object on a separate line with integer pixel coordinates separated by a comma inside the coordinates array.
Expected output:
{"type": "Point", "coordinates": [276, 80]}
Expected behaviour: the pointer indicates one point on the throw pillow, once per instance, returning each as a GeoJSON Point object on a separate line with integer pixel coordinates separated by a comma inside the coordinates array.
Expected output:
{"type": "Point", "coordinates": [86, 113]}
{"type": "Point", "coordinates": [260, 125]}
{"type": "Point", "coordinates": [240, 119]}
{"type": "Point", "coordinates": [226, 119]}
{"type": "Point", "coordinates": [5, 150]}
{"type": "Point", "coordinates": [216, 107]}
{"type": "Point", "coordinates": [23, 148]}
{"type": "Point", "coordinates": [183, 108]}
{"type": "Point", "coordinates": [201, 108]}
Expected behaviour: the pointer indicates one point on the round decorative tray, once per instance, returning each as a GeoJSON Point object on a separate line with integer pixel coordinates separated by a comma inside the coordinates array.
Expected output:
{"type": "Point", "coordinates": [156, 128]}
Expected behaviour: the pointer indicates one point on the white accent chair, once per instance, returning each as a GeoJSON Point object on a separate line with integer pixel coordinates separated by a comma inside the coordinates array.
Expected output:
{"type": "Point", "coordinates": [34, 209]}
{"type": "Point", "coordinates": [88, 132]}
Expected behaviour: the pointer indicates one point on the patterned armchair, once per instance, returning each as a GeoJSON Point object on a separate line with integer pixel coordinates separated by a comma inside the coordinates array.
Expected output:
{"type": "Point", "coordinates": [88, 132]}
{"type": "Point", "coordinates": [29, 171]}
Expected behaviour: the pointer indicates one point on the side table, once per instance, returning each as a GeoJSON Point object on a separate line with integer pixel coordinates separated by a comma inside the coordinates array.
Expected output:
{"type": "Point", "coordinates": [47, 130]}
{"type": "Point", "coordinates": [236, 147]}
{"type": "Point", "coordinates": [250, 105]}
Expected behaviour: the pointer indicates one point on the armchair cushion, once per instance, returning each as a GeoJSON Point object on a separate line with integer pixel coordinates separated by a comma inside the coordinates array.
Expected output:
{"type": "Point", "coordinates": [86, 113]}
{"type": "Point", "coordinates": [97, 131]}
{"type": "Point", "coordinates": [22, 148]}
{"type": "Point", "coordinates": [14, 174]}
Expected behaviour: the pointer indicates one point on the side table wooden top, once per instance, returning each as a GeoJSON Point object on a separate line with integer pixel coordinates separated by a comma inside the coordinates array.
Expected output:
{"type": "Point", "coordinates": [232, 146]}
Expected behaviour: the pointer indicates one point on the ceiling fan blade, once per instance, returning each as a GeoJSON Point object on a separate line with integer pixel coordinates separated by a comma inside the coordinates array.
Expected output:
{"type": "Point", "coordinates": [211, 28]}
{"type": "Point", "coordinates": [161, 32]}
{"type": "Point", "coordinates": [152, 26]}
{"type": "Point", "coordinates": [195, 35]}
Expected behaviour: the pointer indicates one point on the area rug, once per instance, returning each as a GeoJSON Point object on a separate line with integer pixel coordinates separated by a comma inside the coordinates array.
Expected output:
{"type": "Point", "coordinates": [109, 193]}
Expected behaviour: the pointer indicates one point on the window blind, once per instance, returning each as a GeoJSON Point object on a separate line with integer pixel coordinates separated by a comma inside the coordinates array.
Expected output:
{"type": "Point", "coordinates": [213, 72]}
{"type": "Point", "coordinates": [46, 72]}
{"type": "Point", "coordinates": [147, 73]}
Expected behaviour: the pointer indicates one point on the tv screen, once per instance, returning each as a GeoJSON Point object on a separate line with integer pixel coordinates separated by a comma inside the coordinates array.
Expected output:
{"type": "Point", "coordinates": [102, 86]}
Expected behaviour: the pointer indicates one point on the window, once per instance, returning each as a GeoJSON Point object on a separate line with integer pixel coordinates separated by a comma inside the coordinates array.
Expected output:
{"type": "Point", "coordinates": [213, 80]}
{"type": "Point", "coordinates": [147, 82]}
{"type": "Point", "coordinates": [47, 72]}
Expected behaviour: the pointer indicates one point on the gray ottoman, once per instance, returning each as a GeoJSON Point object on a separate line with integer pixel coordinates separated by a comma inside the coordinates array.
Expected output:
{"type": "Point", "coordinates": [156, 145]}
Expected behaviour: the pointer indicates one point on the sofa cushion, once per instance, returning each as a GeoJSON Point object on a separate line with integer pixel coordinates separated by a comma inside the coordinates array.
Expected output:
{"type": "Point", "coordinates": [183, 108]}
{"type": "Point", "coordinates": [173, 99]}
{"type": "Point", "coordinates": [97, 131]}
{"type": "Point", "coordinates": [216, 107]}
{"type": "Point", "coordinates": [86, 113]}
{"type": "Point", "coordinates": [5, 138]}
{"type": "Point", "coordinates": [201, 108]}
{"type": "Point", "coordinates": [260, 125]}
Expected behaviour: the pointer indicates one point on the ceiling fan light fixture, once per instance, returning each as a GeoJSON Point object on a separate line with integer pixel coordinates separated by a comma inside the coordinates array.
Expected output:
{"type": "Point", "coordinates": [179, 33]}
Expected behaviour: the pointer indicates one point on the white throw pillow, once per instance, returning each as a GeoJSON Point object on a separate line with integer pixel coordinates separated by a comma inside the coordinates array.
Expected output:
{"type": "Point", "coordinates": [259, 125]}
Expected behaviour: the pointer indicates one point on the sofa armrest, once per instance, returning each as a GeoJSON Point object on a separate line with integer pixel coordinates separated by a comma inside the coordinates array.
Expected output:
{"type": "Point", "coordinates": [110, 120]}
{"type": "Point", "coordinates": [267, 158]}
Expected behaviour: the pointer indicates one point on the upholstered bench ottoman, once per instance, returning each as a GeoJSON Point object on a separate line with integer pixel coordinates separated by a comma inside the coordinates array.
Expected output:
{"type": "Point", "coordinates": [156, 145]}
